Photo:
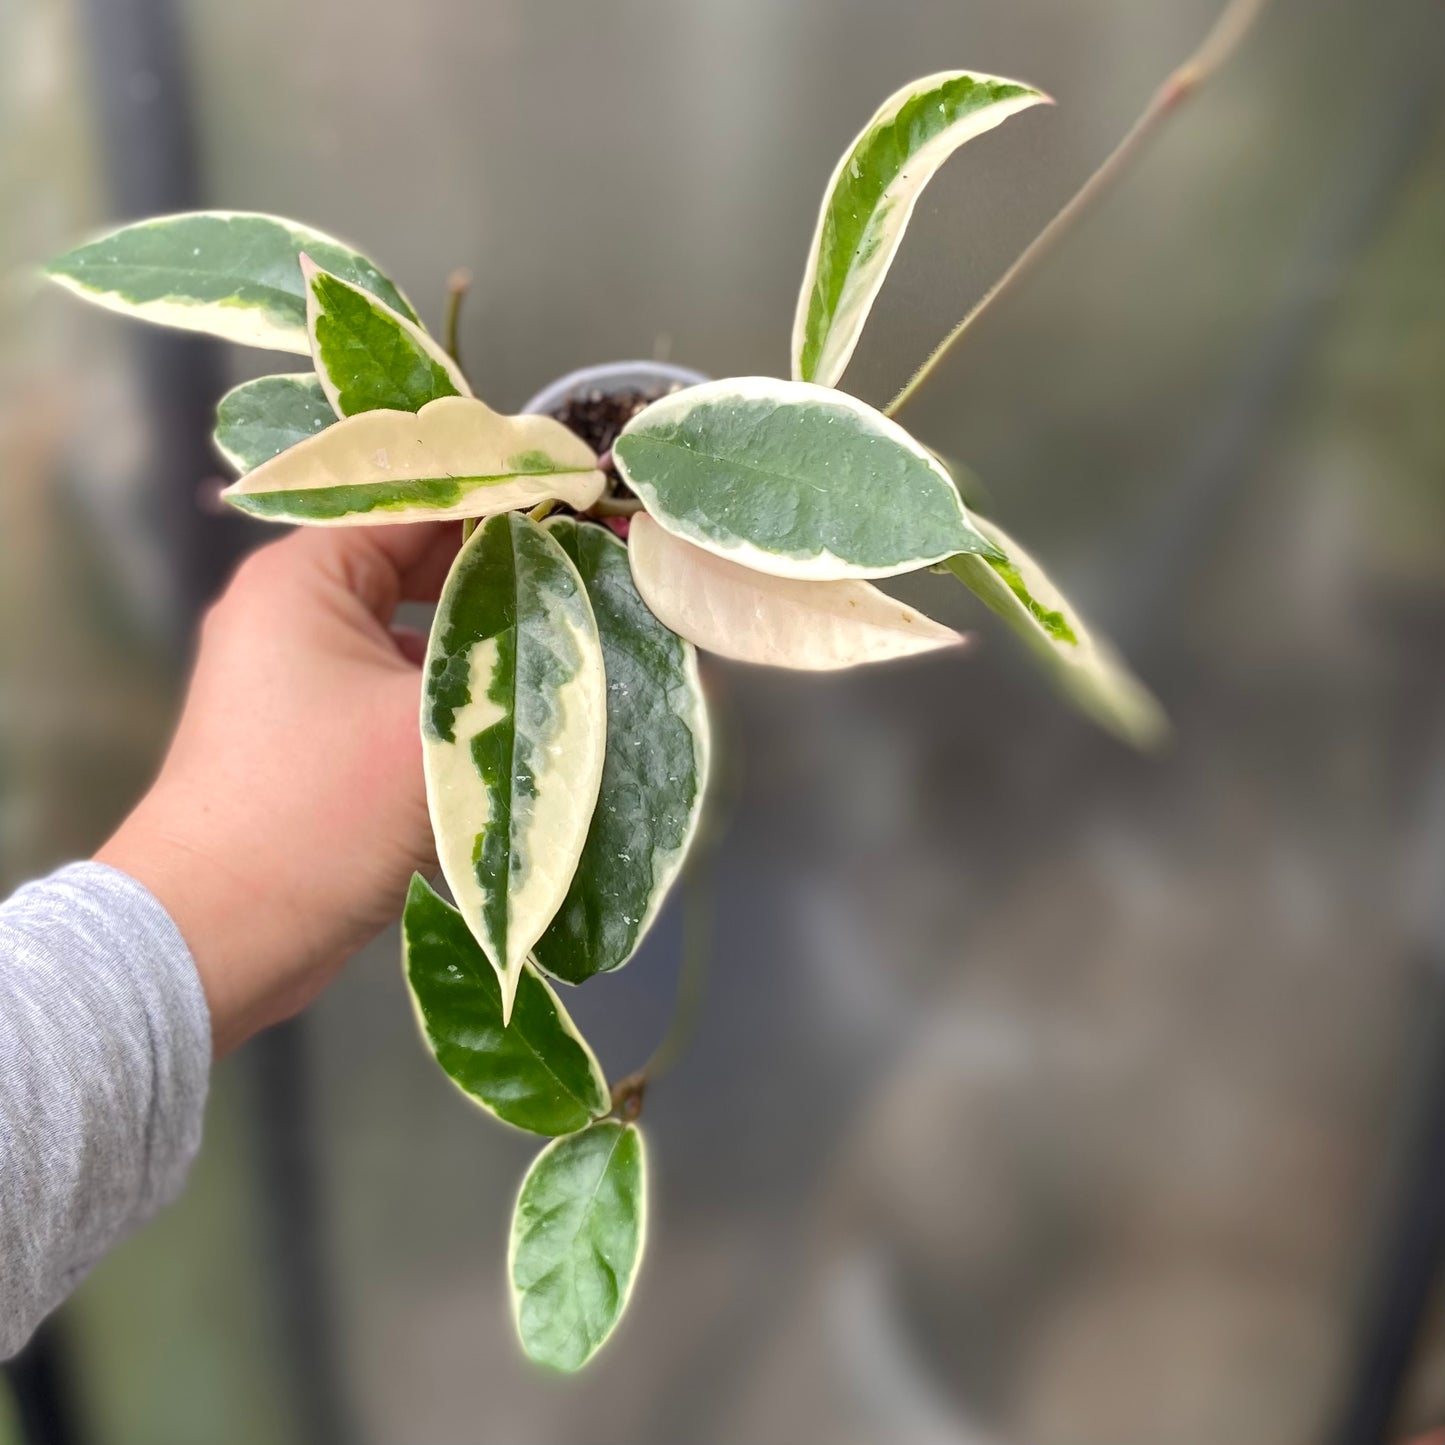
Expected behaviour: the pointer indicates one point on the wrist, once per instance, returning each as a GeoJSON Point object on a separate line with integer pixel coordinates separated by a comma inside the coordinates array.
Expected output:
{"type": "Point", "coordinates": [237, 931]}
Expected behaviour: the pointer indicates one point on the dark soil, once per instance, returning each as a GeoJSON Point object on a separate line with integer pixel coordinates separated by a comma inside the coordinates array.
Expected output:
{"type": "Point", "coordinates": [598, 417]}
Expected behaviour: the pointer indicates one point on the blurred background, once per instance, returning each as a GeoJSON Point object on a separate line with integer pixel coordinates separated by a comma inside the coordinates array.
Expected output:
{"type": "Point", "coordinates": [1043, 1094]}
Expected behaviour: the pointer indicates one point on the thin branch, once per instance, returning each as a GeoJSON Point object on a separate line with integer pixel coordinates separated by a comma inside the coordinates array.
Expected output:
{"type": "Point", "coordinates": [691, 974]}
{"type": "Point", "coordinates": [458, 284]}
{"type": "Point", "coordinates": [1234, 23]}
{"type": "Point", "coordinates": [615, 507]}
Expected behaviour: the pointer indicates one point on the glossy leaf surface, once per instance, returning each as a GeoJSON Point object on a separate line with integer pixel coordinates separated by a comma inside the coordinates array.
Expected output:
{"type": "Point", "coordinates": [514, 731]}
{"type": "Point", "coordinates": [654, 776]}
{"type": "Point", "coordinates": [794, 480]}
{"type": "Point", "coordinates": [261, 419]}
{"type": "Point", "coordinates": [536, 1073]}
{"type": "Point", "coordinates": [369, 357]}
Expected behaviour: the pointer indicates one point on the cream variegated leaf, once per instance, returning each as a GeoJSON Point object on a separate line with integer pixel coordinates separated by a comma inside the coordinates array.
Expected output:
{"type": "Point", "coordinates": [870, 200]}
{"type": "Point", "coordinates": [793, 479]}
{"type": "Point", "coordinates": [654, 778]}
{"type": "Point", "coordinates": [456, 457]}
{"type": "Point", "coordinates": [514, 733]}
{"type": "Point", "coordinates": [369, 357]}
{"type": "Point", "coordinates": [232, 274]}
{"type": "Point", "coordinates": [776, 621]}
{"type": "Point", "coordinates": [1085, 668]}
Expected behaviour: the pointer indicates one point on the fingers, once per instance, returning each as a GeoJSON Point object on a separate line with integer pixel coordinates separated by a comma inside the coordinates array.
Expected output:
{"type": "Point", "coordinates": [381, 566]}
{"type": "Point", "coordinates": [411, 643]}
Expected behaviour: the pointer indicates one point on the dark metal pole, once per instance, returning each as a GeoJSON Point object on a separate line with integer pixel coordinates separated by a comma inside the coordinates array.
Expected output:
{"type": "Point", "coordinates": [147, 132]}
{"type": "Point", "coordinates": [40, 1380]}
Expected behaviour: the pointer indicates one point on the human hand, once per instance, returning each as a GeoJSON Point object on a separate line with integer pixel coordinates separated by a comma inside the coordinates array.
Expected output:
{"type": "Point", "coordinates": [290, 812]}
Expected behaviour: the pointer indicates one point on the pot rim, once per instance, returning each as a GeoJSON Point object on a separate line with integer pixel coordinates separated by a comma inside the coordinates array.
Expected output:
{"type": "Point", "coordinates": [612, 376]}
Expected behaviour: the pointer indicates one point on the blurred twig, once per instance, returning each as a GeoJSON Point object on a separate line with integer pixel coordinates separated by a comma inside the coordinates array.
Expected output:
{"type": "Point", "coordinates": [458, 284]}
{"type": "Point", "coordinates": [1233, 24]}
{"type": "Point", "coordinates": [691, 974]}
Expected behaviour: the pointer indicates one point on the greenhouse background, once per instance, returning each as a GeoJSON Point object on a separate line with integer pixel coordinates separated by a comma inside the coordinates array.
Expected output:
{"type": "Point", "coordinates": [1042, 1092]}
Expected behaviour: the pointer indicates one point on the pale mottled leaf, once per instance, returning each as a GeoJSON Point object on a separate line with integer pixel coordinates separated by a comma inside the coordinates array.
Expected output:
{"type": "Point", "coordinates": [514, 730]}
{"type": "Point", "coordinates": [654, 776]}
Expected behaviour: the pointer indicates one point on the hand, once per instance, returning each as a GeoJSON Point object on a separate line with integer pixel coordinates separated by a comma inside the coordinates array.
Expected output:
{"type": "Point", "coordinates": [290, 812]}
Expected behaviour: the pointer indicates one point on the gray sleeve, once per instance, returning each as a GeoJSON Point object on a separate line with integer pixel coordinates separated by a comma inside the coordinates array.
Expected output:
{"type": "Point", "coordinates": [105, 1054]}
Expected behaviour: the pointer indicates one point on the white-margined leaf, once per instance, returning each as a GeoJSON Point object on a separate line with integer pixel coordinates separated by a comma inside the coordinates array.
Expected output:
{"type": "Point", "coordinates": [536, 1073]}
{"type": "Point", "coordinates": [578, 1232]}
{"type": "Point", "coordinates": [870, 199]}
{"type": "Point", "coordinates": [232, 274]}
{"type": "Point", "coordinates": [454, 458]}
{"type": "Point", "coordinates": [260, 419]}
{"type": "Point", "coordinates": [1083, 667]}
{"type": "Point", "coordinates": [654, 776]}
{"type": "Point", "coordinates": [776, 621]}
{"type": "Point", "coordinates": [369, 357]}
{"type": "Point", "coordinates": [514, 731]}
{"type": "Point", "coordinates": [793, 479]}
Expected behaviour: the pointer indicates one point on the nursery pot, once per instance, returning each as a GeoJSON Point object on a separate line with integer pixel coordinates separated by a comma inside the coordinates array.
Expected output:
{"type": "Point", "coordinates": [610, 378]}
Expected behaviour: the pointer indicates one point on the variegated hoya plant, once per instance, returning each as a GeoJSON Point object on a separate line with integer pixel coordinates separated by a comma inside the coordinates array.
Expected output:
{"type": "Point", "coordinates": [564, 728]}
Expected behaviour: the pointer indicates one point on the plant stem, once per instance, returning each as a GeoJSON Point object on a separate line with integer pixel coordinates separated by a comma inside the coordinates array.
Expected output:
{"type": "Point", "coordinates": [615, 507]}
{"type": "Point", "coordinates": [542, 509]}
{"type": "Point", "coordinates": [458, 284]}
{"type": "Point", "coordinates": [691, 976]}
{"type": "Point", "coordinates": [1234, 23]}
{"type": "Point", "coordinates": [469, 525]}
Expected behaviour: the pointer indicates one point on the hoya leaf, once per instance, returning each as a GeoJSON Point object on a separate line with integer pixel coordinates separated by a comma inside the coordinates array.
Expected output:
{"type": "Point", "coordinates": [537, 1073]}
{"type": "Point", "coordinates": [793, 479]}
{"type": "Point", "coordinates": [577, 1236]}
{"type": "Point", "coordinates": [1084, 668]}
{"type": "Point", "coordinates": [456, 457]}
{"type": "Point", "coordinates": [260, 419]}
{"type": "Point", "coordinates": [514, 729]}
{"type": "Point", "coordinates": [870, 200]}
{"type": "Point", "coordinates": [653, 778]}
{"type": "Point", "coordinates": [776, 621]}
{"type": "Point", "coordinates": [234, 274]}
{"type": "Point", "coordinates": [369, 357]}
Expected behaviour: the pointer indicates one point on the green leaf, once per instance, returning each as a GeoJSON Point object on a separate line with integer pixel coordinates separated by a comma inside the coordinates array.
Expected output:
{"type": "Point", "coordinates": [870, 200]}
{"type": "Point", "coordinates": [514, 729]}
{"type": "Point", "coordinates": [577, 1237]}
{"type": "Point", "coordinates": [233, 274]}
{"type": "Point", "coordinates": [653, 778]}
{"type": "Point", "coordinates": [793, 479]}
{"type": "Point", "coordinates": [1084, 668]}
{"type": "Point", "coordinates": [260, 419]}
{"type": "Point", "coordinates": [369, 357]}
{"type": "Point", "coordinates": [537, 1073]}
{"type": "Point", "coordinates": [774, 621]}
{"type": "Point", "coordinates": [454, 458]}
